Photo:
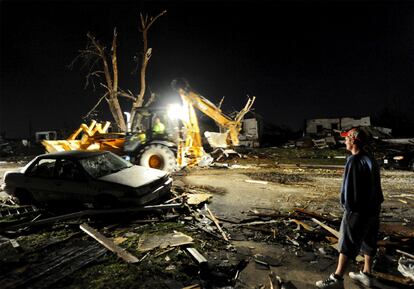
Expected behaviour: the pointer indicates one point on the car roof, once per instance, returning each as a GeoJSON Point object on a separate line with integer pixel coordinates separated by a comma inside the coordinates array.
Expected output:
{"type": "Point", "coordinates": [74, 154]}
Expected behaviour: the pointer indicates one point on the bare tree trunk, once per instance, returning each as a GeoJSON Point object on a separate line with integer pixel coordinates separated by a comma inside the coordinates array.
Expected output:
{"type": "Point", "coordinates": [114, 102]}
{"type": "Point", "coordinates": [95, 53]}
{"type": "Point", "coordinates": [145, 25]}
{"type": "Point", "coordinates": [111, 80]}
{"type": "Point", "coordinates": [116, 111]}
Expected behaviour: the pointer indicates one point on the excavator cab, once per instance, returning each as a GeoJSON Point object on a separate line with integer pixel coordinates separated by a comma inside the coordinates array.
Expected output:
{"type": "Point", "coordinates": [153, 140]}
{"type": "Point", "coordinates": [154, 123]}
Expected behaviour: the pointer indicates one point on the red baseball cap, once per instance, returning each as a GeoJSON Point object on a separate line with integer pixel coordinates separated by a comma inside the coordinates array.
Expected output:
{"type": "Point", "coordinates": [354, 133]}
{"type": "Point", "coordinates": [351, 133]}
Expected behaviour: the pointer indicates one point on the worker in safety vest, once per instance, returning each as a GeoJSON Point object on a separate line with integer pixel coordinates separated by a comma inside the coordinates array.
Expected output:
{"type": "Point", "coordinates": [159, 127]}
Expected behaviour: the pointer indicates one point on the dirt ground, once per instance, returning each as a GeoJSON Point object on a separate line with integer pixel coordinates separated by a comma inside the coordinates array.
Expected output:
{"type": "Point", "coordinates": [288, 187]}
{"type": "Point", "coordinates": [265, 182]}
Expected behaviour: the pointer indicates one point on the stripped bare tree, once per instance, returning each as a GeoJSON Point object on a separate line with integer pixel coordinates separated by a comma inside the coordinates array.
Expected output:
{"type": "Point", "coordinates": [103, 66]}
{"type": "Point", "coordinates": [146, 23]}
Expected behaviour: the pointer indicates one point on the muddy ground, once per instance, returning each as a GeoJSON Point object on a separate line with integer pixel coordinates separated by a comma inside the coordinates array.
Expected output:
{"type": "Point", "coordinates": [254, 198]}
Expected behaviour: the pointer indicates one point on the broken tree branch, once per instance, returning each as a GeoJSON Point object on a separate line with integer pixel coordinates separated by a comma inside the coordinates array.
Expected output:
{"type": "Point", "coordinates": [96, 105]}
{"type": "Point", "coordinates": [126, 95]}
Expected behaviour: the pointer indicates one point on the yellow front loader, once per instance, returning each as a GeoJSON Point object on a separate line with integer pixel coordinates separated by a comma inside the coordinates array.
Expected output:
{"type": "Point", "coordinates": [92, 137]}
{"type": "Point", "coordinates": [177, 147]}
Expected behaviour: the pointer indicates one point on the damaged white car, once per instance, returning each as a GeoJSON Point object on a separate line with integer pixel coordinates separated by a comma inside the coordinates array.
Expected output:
{"type": "Point", "coordinates": [94, 178]}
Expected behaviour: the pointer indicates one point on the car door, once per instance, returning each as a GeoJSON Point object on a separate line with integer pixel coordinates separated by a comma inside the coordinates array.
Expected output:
{"type": "Point", "coordinates": [71, 182]}
{"type": "Point", "coordinates": [39, 179]}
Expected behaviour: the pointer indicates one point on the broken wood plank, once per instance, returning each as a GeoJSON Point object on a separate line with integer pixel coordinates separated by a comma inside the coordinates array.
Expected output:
{"type": "Point", "coordinates": [145, 256]}
{"type": "Point", "coordinates": [109, 244]}
{"type": "Point", "coordinates": [195, 286]}
{"type": "Point", "coordinates": [313, 214]}
{"type": "Point", "coordinates": [175, 198]}
{"type": "Point", "coordinates": [326, 227]}
{"type": "Point", "coordinates": [304, 225]}
{"type": "Point", "coordinates": [208, 232]}
{"type": "Point", "coordinates": [196, 199]}
{"type": "Point", "coordinates": [163, 241]}
{"type": "Point", "coordinates": [216, 222]}
{"type": "Point", "coordinates": [15, 244]}
{"type": "Point", "coordinates": [263, 263]}
{"type": "Point", "coordinates": [275, 214]}
{"type": "Point", "coordinates": [256, 182]}
{"type": "Point", "coordinates": [257, 223]}
{"type": "Point", "coordinates": [164, 252]}
{"type": "Point", "coordinates": [405, 253]}
{"type": "Point", "coordinates": [196, 255]}
{"type": "Point", "coordinates": [393, 278]}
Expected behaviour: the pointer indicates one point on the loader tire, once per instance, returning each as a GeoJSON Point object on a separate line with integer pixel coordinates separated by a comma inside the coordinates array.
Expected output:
{"type": "Point", "coordinates": [158, 156]}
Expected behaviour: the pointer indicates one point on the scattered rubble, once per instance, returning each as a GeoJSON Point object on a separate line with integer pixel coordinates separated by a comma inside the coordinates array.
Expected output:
{"type": "Point", "coordinates": [189, 243]}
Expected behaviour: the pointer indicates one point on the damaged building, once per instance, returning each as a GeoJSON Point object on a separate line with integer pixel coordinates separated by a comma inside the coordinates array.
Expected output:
{"type": "Point", "coordinates": [324, 126]}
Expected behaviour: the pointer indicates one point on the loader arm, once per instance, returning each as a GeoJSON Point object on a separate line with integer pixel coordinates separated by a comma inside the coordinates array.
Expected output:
{"type": "Point", "coordinates": [190, 149]}
{"type": "Point", "coordinates": [233, 126]}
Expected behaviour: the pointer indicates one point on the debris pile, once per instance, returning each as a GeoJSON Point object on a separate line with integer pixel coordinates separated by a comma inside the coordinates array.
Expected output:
{"type": "Point", "coordinates": [187, 242]}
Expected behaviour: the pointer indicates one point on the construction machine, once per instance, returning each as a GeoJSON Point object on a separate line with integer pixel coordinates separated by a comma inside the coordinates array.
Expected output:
{"type": "Point", "coordinates": [190, 145]}
{"type": "Point", "coordinates": [160, 140]}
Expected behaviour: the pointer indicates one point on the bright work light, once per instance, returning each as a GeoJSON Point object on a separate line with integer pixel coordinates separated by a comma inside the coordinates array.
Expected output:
{"type": "Point", "coordinates": [177, 111]}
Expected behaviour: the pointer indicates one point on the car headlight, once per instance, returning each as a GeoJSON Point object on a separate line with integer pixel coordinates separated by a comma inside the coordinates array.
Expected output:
{"type": "Point", "coordinates": [398, 158]}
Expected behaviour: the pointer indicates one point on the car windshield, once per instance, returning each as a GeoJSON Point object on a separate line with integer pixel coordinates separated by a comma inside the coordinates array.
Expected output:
{"type": "Point", "coordinates": [105, 164]}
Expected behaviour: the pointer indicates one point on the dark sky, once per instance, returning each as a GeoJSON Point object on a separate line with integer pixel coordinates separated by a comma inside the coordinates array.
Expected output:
{"type": "Point", "coordinates": [301, 59]}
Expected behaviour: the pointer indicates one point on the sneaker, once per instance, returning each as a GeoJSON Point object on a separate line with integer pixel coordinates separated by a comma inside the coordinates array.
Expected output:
{"type": "Point", "coordinates": [331, 283]}
{"type": "Point", "coordinates": [362, 278]}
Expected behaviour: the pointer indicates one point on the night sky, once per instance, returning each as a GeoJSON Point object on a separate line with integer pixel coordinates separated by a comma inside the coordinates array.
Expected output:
{"type": "Point", "coordinates": [301, 59]}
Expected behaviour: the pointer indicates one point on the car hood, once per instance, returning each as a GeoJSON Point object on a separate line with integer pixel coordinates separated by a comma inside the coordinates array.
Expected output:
{"type": "Point", "coordinates": [135, 176]}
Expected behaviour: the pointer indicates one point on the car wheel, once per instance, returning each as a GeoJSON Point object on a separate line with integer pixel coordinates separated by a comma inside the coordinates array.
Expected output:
{"type": "Point", "coordinates": [24, 197]}
{"type": "Point", "coordinates": [158, 156]}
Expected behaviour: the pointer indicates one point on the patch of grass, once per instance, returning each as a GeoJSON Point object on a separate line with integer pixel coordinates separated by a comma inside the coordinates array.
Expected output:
{"type": "Point", "coordinates": [42, 238]}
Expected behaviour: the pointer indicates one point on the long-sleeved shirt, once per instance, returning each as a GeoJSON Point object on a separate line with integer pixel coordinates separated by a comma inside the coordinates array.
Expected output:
{"type": "Point", "coordinates": [361, 188]}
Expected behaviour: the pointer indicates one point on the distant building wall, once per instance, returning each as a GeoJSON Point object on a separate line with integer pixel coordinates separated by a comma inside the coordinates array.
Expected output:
{"type": "Point", "coordinates": [321, 125]}
{"type": "Point", "coordinates": [316, 126]}
{"type": "Point", "coordinates": [349, 122]}
{"type": "Point", "coordinates": [250, 133]}
{"type": "Point", "coordinates": [45, 135]}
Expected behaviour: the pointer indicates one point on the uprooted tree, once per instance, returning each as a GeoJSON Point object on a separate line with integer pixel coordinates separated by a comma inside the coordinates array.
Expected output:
{"type": "Point", "coordinates": [102, 66]}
